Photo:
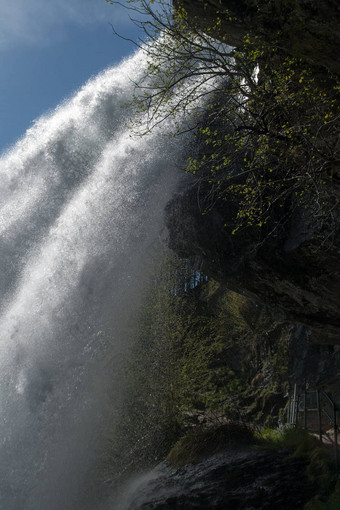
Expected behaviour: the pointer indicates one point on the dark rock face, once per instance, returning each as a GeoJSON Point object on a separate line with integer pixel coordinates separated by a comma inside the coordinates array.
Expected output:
{"type": "Point", "coordinates": [309, 29]}
{"type": "Point", "coordinates": [231, 480]}
{"type": "Point", "coordinates": [310, 362]}
{"type": "Point", "coordinates": [287, 271]}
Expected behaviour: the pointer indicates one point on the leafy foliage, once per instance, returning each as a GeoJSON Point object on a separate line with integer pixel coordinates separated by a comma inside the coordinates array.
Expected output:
{"type": "Point", "coordinates": [270, 150]}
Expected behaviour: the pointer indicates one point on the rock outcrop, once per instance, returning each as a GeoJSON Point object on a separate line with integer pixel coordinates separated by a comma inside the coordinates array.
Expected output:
{"type": "Point", "coordinates": [234, 479]}
{"type": "Point", "coordinates": [308, 29]}
{"type": "Point", "coordinates": [289, 272]}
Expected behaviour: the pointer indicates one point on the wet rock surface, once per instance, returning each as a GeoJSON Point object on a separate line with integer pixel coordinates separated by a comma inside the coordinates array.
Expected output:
{"type": "Point", "coordinates": [232, 480]}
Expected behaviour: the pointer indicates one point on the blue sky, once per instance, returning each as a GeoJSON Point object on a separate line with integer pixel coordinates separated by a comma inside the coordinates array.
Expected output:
{"type": "Point", "coordinates": [48, 49]}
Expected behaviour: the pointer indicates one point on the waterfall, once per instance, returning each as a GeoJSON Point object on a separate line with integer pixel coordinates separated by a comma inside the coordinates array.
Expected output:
{"type": "Point", "coordinates": [81, 205]}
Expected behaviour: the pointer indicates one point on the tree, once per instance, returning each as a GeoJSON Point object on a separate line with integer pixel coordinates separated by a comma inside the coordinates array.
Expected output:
{"type": "Point", "coordinates": [267, 122]}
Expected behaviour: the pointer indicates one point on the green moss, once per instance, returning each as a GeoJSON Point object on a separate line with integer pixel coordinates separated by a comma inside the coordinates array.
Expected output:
{"type": "Point", "coordinates": [319, 469]}
{"type": "Point", "coordinates": [195, 446]}
{"type": "Point", "coordinates": [295, 439]}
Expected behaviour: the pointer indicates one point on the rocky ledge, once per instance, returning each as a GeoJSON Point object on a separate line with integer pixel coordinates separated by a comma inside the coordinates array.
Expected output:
{"type": "Point", "coordinates": [290, 272]}
{"type": "Point", "coordinates": [245, 479]}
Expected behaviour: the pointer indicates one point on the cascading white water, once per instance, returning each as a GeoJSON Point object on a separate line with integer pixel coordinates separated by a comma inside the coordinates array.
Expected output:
{"type": "Point", "coordinates": [81, 202]}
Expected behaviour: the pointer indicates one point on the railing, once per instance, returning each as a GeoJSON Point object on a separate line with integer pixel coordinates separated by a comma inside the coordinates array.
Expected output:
{"type": "Point", "coordinates": [315, 410]}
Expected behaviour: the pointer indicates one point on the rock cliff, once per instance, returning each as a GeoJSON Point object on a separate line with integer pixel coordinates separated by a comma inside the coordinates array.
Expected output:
{"type": "Point", "coordinates": [289, 269]}
{"type": "Point", "coordinates": [308, 29]}
{"type": "Point", "coordinates": [288, 272]}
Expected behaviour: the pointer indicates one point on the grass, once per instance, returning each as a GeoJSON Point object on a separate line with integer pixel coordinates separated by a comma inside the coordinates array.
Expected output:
{"type": "Point", "coordinates": [291, 438]}
{"type": "Point", "coordinates": [320, 469]}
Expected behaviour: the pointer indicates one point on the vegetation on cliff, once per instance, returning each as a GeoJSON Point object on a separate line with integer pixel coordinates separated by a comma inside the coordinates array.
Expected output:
{"type": "Point", "coordinates": [208, 373]}
{"type": "Point", "coordinates": [202, 357]}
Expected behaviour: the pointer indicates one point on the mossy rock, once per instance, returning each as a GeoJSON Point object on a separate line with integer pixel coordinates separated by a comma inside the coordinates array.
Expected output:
{"type": "Point", "coordinates": [200, 444]}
